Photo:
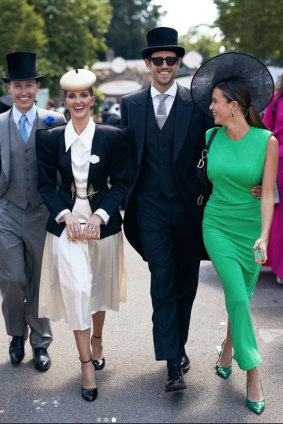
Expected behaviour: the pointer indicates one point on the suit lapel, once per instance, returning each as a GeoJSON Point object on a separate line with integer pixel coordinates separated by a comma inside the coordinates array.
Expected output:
{"type": "Point", "coordinates": [98, 137]}
{"type": "Point", "coordinates": [138, 120]}
{"type": "Point", "coordinates": [5, 144]}
{"type": "Point", "coordinates": [41, 115]}
{"type": "Point", "coordinates": [182, 119]}
{"type": "Point", "coordinates": [65, 158]}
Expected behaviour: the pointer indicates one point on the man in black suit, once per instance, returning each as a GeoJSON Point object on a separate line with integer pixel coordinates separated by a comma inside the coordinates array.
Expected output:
{"type": "Point", "coordinates": [162, 217]}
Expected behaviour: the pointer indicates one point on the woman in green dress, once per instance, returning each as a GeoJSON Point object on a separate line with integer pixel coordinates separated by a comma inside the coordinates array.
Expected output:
{"type": "Point", "coordinates": [236, 224]}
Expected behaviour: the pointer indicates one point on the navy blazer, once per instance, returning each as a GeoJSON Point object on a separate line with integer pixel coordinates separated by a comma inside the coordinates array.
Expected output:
{"type": "Point", "coordinates": [189, 139]}
{"type": "Point", "coordinates": [112, 145]}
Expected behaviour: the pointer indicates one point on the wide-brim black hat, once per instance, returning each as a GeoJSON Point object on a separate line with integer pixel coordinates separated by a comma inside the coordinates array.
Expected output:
{"type": "Point", "coordinates": [234, 65]}
{"type": "Point", "coordinates": [21, 66]}
{"type": "Point", "coordinates": [162, 39]}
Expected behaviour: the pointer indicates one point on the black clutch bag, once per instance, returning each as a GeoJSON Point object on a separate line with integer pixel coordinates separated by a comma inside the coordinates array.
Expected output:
{"type": "Point", "coordinates": [202, 179]}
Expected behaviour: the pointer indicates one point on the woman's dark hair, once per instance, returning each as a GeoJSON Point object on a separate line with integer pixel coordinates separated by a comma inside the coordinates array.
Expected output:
{"type": "Point", "coordinates": [90, 90]}
{"type": "Point", "coordinates": [236, 89]}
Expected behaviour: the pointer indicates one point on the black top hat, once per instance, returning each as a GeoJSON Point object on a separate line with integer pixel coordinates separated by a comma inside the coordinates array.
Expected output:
{"type": "Point", "coordinates": [232, 65]}
{"type": "Point", "coordinates": [21, 66]}
{"type": "Point", "coordinates": [162, 38]}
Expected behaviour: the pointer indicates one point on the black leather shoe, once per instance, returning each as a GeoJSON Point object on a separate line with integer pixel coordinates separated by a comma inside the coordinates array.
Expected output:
{"type": "Point", "coordinates": [17, 349]}
{"type": "Point", "coordinates": [98, 364]}
{"type": "Point", "coordinates": [41, 359]}
{"type": "Point", "coordinates": [89, 394]}
{"type": "Point", "coordinates": [185, 363]}
{"type": "Point", "coordinates": [175, 380]}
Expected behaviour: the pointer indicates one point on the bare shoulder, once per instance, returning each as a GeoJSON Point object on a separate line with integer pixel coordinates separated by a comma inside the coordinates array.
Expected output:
{"type": "Point", "coordinates": [272, 141]}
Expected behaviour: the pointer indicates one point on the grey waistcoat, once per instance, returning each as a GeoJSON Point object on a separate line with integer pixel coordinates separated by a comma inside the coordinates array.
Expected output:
{"type": "Point", "coordinates": [23, 171]}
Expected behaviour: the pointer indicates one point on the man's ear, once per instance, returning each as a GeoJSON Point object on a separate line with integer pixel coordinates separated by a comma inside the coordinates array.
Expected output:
{"type": "Point", "coordinates": [147, 64]}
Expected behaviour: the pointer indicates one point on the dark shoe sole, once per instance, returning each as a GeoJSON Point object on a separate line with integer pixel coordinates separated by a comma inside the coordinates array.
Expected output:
{"type": "Point", "coordinates": [175, 387]}
{"type": "Point", "coordinates": [39, 368]}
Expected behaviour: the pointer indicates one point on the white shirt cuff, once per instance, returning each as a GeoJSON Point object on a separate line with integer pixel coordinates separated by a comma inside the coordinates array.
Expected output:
{"type": "Point", "coordinates": [103, 214]}
{"type": "Point", "coordinates": [59, 217]}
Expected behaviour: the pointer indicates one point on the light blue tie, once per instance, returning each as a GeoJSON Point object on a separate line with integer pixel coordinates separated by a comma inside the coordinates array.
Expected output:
{"type": "Point", "coordinates": [23, 131]}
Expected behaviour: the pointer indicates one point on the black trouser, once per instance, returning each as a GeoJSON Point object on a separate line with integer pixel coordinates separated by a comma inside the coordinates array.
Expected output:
{"type": "Point", "coordinates": [170, 241]}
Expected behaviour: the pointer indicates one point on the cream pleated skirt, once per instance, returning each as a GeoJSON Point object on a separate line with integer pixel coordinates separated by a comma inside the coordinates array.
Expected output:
{"type": "Point", "coordinates": [79, 278]}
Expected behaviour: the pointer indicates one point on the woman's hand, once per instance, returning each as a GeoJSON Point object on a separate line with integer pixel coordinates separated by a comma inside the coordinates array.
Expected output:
{"type": "Point", "coordinates": [260, 250]}
{"type": "Point", "coordinates": [73, 226]}
{"type": "Point", "coordinates": [92, 226]}
{"type": "Point", "coordinates": [256, 191]}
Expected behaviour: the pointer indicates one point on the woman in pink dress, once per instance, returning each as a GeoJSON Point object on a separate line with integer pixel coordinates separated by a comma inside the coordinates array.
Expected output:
{"type": "Point", "coordinates": [273, 119]}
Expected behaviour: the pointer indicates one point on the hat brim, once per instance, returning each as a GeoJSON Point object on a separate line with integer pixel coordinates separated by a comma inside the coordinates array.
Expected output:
{"type": "Point", "coordinates": [22, 78]}
{"type": "Point", "coordinates": [179, 50]}
{"type": "Point", "coordinates": [232, 65]}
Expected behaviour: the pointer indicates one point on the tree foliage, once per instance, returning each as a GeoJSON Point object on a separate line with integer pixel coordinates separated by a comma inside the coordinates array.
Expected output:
{"type": "Point", "coordinates": [64, 33]}
{"type": "Point", "coordinates": [251, 26]}
{"type": "Point", "coordinates": [21, 29]}
{"type": "Point", "coordinates": [132, 19]}
{"type": "Point", "coordinates": [75, 33]}
{"type": "Point", "coordinates": [204, 44]}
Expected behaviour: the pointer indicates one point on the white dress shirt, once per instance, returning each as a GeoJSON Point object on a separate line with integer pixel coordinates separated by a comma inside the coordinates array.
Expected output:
{"type": "Point", "coordinates": [172, 91]}
{"type": "Point", "coordinates": [31, 115]}
{"type": "Point", "coordinates": [80, 154]}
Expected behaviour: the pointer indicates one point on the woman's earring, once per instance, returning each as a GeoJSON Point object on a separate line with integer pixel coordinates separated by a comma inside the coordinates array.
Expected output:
{"type": "Point", "coordinates": [233, 114]}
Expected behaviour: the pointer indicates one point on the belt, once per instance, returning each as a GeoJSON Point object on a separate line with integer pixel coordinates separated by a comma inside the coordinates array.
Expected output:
{"type": "Point", "coordinates": [86, 196]}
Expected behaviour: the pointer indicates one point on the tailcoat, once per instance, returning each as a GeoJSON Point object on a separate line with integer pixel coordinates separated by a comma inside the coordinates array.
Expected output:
{"type": "Point", "coordinates": [167, 231]}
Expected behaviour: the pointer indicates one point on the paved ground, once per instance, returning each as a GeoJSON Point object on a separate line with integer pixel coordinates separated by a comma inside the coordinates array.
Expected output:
{"type": "Point", "coordinates": [131, 387]}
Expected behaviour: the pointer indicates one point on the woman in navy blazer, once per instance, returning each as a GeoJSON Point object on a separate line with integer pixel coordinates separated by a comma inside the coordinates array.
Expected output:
{"type": "Point", "coordinates": [83, 277]}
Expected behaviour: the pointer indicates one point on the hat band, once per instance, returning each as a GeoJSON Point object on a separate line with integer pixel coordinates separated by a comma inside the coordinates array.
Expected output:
{"type": "Point", "coordinates": [23, 75]}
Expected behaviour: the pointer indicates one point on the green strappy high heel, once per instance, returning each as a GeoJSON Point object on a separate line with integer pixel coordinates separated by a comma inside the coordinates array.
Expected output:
{"type": "Point", "coordinates": [256, 406]}
{"type": "Point", "coordinates": [222, 371]}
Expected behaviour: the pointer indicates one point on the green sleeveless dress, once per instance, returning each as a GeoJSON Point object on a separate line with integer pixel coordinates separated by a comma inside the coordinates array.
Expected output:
{"type": "Point", "coordinates": [231, 225]}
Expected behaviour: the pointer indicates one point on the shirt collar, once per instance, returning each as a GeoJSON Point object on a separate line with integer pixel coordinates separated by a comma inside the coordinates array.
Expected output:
{"type": "Point", "coordinates": [30, 114]}
{"type": "Point", "coordinates": [172, 91]}
{"type": "Point", "coordinates": [86, 136]}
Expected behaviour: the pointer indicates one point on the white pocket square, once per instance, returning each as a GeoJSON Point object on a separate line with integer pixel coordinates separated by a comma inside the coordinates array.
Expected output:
{"type": "Point", "coordinates": [94, 159]}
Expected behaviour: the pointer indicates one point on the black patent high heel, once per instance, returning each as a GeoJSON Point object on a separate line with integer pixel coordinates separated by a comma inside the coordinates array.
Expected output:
{"type": "Point", "coordinates": [89, 394]}
{"type": "Point", "coordinates": [98, 364]}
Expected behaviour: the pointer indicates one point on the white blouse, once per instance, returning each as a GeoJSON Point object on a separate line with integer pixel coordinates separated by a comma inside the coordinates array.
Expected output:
{"type": "Point", "coordinates": [80, 154]}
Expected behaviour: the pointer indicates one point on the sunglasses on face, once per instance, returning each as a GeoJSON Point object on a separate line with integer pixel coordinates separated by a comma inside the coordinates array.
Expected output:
{"type": "Point", "coordinates": [158, 61]}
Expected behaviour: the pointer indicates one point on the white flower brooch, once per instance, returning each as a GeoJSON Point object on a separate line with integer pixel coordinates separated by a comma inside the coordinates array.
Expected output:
{"type": "Point", "coordinates": [94, 159]}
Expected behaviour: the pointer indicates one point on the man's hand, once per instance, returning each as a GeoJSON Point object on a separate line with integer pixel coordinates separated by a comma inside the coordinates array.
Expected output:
{"type": "Point", "coordinates": [256, 191]}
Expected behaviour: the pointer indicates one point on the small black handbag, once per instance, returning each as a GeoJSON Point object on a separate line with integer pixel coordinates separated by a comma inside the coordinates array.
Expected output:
{"type": "Point", "coordinates": [203, 182]}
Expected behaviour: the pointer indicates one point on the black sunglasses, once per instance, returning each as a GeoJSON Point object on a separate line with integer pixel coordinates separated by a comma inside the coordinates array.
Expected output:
{"type": "Point", "coordinates": [158, 61]}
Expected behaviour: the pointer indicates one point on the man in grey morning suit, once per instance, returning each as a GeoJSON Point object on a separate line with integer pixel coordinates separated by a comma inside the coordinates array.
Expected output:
{"type": "Point", "coordinates": [22, 213]}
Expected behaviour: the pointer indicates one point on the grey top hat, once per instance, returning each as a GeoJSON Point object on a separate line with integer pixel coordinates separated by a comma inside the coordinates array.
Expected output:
{"type": "Point", "coordinates": [229, 66]}
{"type": "Point", "coordinates": [21, 66]}
{"type": "Point", "coordinates": [162, 38]}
